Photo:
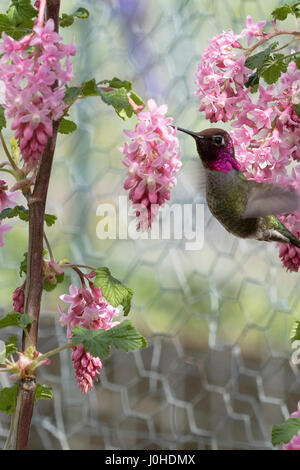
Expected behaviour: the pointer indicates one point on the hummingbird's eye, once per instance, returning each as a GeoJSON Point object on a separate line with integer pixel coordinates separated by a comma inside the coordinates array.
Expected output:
{"type": "Point", "coordinates": [218, 140]}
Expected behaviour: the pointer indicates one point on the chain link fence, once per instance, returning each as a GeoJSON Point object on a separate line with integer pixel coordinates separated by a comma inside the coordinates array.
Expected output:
{"type": "Point", "coordinates": [217, 371]}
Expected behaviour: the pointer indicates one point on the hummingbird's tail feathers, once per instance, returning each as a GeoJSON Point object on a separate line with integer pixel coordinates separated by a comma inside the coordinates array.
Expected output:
{"type": "Point", "coordinates": [295, 241]}
{"type": "Point", "coordinates": [269, 199]}
{"type": "Point", "coordinates": [280, 233]}
{"type": "Point", "coordinates": [288, 237]}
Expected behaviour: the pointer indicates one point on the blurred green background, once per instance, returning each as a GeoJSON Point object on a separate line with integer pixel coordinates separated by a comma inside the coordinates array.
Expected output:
{"type": "Point", "coordinates": [217, 372]}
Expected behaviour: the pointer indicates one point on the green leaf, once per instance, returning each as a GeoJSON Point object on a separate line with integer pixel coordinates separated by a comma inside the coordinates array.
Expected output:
{"type": "Point", "coordinates": [72, 93]}
{"type": "Point", "coordinates": [2, 118]}
{"type": "Point", "coordinates": [273, 68]}
{"type": "Point", "coordinates": [60, 278]}
{"type": "Point", "coordinates": [19, 19]}
{"type": "Point", "coordinates": [117, 83]}
{"type": "Point", "coordinates": [90, 88]}
{"type": "Point", "coordinates": [297, 108]}
{"type": "Point", "coordinates": [43, 392]}
{"type": "Point", "coordinates": [12, 15]}
{"type": "Point", "coordinates": [11, 345]}
{"type": "Point", "coordinates": [281, 13]}
{"type": "Point", "coordinates": [23, 214]}
{"type": "Point", "coordinates": [17, 211]}
{"type": "Point", "coordinates": [136, 98]}
{"type": "Point", "coordinates": [25, 320]}
{"type": "Point", "coordinates": [16, 319]}
{"type": "Point", "coordinates": [20, 12]}
{"type": "Point", "coordinates": [115, 94]}
{"type": "Point", "coordinates": [115, 292]}
{"type": "Point", "coordinates": [256, 61]}
{"type": "Point", "coordinates": [283, 433]}
{"type": "Point", "coordinates": [48, 286]}
{"type": "Point", "coordinates": [267, 65]}
{"type": "Point", "coordinates": [297, 62]}
{"type": "Point", "coordinates": [11, 319]}
{"type": "Point", "coordinates": [4, 23]}
{"type": "Point", "coordinates": [23, 264]}
{"type": "Point", "coordinates": [295, 331]}
{"type": "Point", "coordinates": [68, 20]}
{"type": "Point", "coordinates": [81, 13]}
{"type": "Point", "coordinates": [253, 82]}
{"type": "Point", "coordinates": [296, 10]}
{"type": "Point", "coordinates": [86, 89]}
{"type": "Point", "coordinates": [8, 399]}
{"type": "Point", "coordinates": [117, 98]}
{"type": "Point", "coordinates": [50, 219]}
{"type": "Point", "coordinates": [66, 126]}
{"type": "Point", "coordinates": [98, 342]}
{"type": "Point", "coordinates": [126, 303]}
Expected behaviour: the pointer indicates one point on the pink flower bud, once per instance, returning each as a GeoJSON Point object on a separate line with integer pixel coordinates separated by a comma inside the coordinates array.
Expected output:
{"type": "Point", "coordinates": [26, 364]}
{"type": "Point", "coordinates": [19, 298]}
{"type": "Point", "coordinates": [136, 108]}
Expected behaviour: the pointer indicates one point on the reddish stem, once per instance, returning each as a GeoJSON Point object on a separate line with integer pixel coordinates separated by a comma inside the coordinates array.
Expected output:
{"type": "Point", "coordinates": [34, 279]}
{"type": "Point", "coordinates": [271, 36]}
{"type": "Point", "coordinates": [42, 9]}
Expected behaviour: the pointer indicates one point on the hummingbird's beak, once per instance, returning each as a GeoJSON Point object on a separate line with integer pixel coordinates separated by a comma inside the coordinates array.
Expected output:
{"type": "Point", "coordinates": [186, 131]}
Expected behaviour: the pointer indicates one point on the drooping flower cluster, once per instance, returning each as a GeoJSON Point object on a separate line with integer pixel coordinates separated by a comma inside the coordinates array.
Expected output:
{"type": "Point", "coordinates": [90, 309]}
{"type": "Point", "coordinates": [265, 126]}
{"type": "Point", "coordinates": [152, 158]}
{"type": "Point", "coordinates": [294, 443]}
{"type": "Point", "coordinates": [34, 71]}
{"type": "Point", "coordinates": [6, 201]}
{"type": "Point", "coordinates": [86, 367]}
{"type": "Point", "coordinates": [221, 76]}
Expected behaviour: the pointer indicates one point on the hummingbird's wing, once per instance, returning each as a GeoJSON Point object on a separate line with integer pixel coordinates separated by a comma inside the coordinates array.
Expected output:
{"type": "Point", "coordinates": [193, 177]}
{"type": "Point", "coordinates": [269, 199]}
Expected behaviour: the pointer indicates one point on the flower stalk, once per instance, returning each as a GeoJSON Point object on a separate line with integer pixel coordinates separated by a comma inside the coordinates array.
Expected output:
{"type": "Point", "coordinates": [34, 282]}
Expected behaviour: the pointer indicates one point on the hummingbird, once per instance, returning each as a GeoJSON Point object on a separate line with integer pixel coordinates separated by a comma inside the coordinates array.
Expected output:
{"type": "Point", "coordinates": [245, 208]}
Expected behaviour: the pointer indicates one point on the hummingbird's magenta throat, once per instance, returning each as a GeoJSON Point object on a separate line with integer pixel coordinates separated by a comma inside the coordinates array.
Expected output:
{"type": "Point", "coordinates": [224, 162]}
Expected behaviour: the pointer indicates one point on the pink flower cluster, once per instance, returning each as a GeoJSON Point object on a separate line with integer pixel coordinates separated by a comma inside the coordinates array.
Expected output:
{"type": "Point", "coordinates": [221, 76]}
{"type": "Point", "coordinates": [294, 443]}
{"type": "Point", "coordinates": [34, 71]}
{"type": "Point", "coordinates": [90, 309]}
{"type": "Point", "coordinates": [6, 201]}
{"type": "Point", "coordinates": [265, 127]}
{"type": "Point", "coordinates": [152, 158]}
{"type": "Point", "coordinates": [86, 367]}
